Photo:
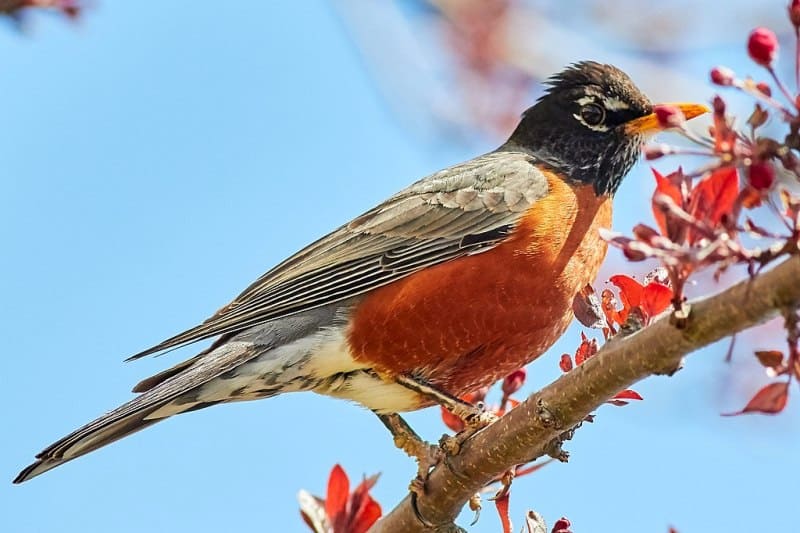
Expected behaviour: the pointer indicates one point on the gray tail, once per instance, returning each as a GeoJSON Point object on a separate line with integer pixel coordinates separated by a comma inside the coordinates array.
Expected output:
{"type": "Point", "coordinates": [105, 430]}
{"type": "Point", "coordinates": [166, 394]}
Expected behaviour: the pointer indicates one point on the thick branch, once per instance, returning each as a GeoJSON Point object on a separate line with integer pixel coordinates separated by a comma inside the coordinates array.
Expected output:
{"type": "Point", "coordinates": [528, 430]}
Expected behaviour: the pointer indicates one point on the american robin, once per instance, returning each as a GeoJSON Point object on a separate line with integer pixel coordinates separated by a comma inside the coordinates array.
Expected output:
{"type": "Point", "coordinates": [446, 287]}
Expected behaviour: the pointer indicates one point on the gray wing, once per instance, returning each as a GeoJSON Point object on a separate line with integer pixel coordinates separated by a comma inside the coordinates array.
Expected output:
{"type": "Point", "coordinates": [462, 210]}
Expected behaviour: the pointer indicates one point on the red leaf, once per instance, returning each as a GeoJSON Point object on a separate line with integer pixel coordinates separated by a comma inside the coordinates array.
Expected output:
{"type": "Point", "coordinates": [361, 492]}
{"type": "Point", "coordinates": [452, 421]}
{"type": "Point", "coordinates": [587, 308]}
{"type": "Point", "coordinates": [521, 470]}
{"type": "Point", "coordinates": [655, 298]}
{"type": "Point", "coordinates": [586, 349]}
{"type": "Point", "coordinates": [751, 198]}
{"type": "Point", "coordinates": [501, 503]}
{"type": "Point", "coordinates": [770, 358]}
{"type": "Point", "coordinates": [565, 363]}
{"type": "Point", "coordinates": [609, 303]}
{"type": "Point", "coordinates": [368, 513]}
{"type": "Point", "coordinates": [628, 394]}
{"type": "Point", "coordinates": [714, 196]}
{"type": "Point", "coordinates": [769, 400]}
{"type": "Point", "coordinates": [665, 186]}
{"type": "Point", "coordinates": [630, 291]}
{"type": "Point", "coordinates": [562, 525]}
{"type": "Point", "coordinates": [337, 495]}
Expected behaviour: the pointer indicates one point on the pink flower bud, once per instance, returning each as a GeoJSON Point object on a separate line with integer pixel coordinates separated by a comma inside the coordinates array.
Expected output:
{"type": "Point", "coordinates": [763, 88]}
{"type": "Point", "coordinates": [514, 381]}
{"type": "Point", "coordinates": [633, 254]}
{"type": "Point", "coordinates": [762, 46]}
{"type": "Point", "coordinates": [794, 13]}
{"type": "Point", "coordinates": [723, 75]}
{"type": "Point", "coordinates": [669, 116]}
{"type": "Point", "coordinates": [761, 175]}
{"type": "Point", "coordinates": [654, 151]}
{"type": "Point", "coordinates": [645, 233]}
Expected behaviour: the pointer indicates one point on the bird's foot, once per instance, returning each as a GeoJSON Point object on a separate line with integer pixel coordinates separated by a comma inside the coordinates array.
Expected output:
{"type": "Point", "coordinates": [480, 418]}
{"type": "Point", "coordinates": [426, 454]}
{"type": "Point", "coordinates": [475, 419]}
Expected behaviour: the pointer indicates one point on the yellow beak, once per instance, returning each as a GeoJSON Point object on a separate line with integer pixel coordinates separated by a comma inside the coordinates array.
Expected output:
{"type": "Point", "coordinates": [650, 123]}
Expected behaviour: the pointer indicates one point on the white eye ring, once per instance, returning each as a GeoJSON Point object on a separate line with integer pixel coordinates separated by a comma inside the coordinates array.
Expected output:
{"type": "Point", "coordinates": [592, 114]}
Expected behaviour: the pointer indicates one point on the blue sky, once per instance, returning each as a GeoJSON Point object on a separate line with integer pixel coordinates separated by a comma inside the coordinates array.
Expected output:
{"type": "Point", "coordinates": [157, 161]}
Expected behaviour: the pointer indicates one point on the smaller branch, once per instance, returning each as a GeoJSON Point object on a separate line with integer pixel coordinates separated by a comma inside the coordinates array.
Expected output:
{"type": "Point", "coordinates": [782, 87]}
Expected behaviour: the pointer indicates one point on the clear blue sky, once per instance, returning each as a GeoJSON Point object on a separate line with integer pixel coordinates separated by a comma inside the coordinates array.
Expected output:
{"type": "Point", "coordinates": [157, 160]}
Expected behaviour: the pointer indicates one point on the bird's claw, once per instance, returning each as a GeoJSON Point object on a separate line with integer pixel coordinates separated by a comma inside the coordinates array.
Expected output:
{"type": "Point", "coordinates": [451, 444]}
{"type": "Point", "coordinates": [480, 419]}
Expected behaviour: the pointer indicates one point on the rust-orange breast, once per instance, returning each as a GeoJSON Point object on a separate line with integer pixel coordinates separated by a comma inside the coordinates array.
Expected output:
{"type": "Point", "coordinates": [466, 323]}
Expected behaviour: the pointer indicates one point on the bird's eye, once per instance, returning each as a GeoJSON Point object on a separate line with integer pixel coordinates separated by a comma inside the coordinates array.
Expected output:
{"type": "Point", "coordinates": [593, 114]}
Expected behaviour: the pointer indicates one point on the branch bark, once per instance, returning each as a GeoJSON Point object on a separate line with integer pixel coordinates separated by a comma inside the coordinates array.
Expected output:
{"type": "Point", "coordinates": [532, 428]}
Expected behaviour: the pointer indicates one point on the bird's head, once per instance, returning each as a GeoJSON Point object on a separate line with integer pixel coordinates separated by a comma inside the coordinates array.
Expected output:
{"type": "Point", "coordinates": [590, 124]}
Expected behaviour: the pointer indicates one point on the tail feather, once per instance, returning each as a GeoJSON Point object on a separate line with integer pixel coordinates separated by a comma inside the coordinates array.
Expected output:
{"type": "Point", "coordinates": [92, 436]}
{"type": "Point", "coordinates": [157, 403]}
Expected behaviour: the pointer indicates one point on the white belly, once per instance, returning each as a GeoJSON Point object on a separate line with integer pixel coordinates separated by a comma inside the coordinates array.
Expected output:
{"type": "Point", "coordinates": [320, 363]}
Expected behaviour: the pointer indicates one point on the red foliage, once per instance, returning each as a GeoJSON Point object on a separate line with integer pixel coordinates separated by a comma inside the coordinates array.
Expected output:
{"type": "Point", "coordinates": [698, 214]}
{"type": "Point", "coordinates": [794, 13]}
{"type": "Point", "coordinates": [669, 116]}
{"type": "Point", "coordinates": [562, 525]}
{"type": "Point", "coordinates": [770, 358]}
{"type": "Point", "coordinates": [669, 186]}
{"type": "Point", "coordinates": [687, 214]}
{"type": "Point", "coordinates": [770, 400]}
{"type": "Point", "coordinates": [763, 88]}
{"type": "Point", "coordinates": [16, 8]}
{"type": "Point", "coordinates": [588, 308]}
{"type": "Point", "coordinates": [341, 511]}
{"type": "Point", "coordinates": [648, 300]}
{"type": "Point", "coordinates": [586, 349]}
{"type": "Point", "coordinates": [761, 175]}
{"type": "Point", "coordinates": [722, 76]}
{"type": "Point", "coordinates": [337, 495]}
{"type": "Point", "coordinates": [712, 199]}
{"type": "Point", "coordinates": [501, 504]}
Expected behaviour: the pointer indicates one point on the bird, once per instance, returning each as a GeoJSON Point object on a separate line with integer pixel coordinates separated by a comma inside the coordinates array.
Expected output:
{"type": "Point", "coordinates": [446, 287]}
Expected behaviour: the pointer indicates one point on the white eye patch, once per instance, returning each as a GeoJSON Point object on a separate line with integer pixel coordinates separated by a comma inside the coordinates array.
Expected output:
{"type": "Point", "coordinates": [584, 101]}
{"type": "Point", "coordinates": [610, 103]}
{"type": "Point", "coordinates": [596, 127]}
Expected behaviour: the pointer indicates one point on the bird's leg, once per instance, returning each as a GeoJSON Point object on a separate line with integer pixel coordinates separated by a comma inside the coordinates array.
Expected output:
{"type": "Point", "coordinates": [475, 417]}
{"type": "Point", "coordinates": [427, 455]}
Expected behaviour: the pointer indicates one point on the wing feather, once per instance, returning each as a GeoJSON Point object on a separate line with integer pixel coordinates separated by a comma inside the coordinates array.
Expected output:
{"type": "Point", "coordinates": [459, 211]}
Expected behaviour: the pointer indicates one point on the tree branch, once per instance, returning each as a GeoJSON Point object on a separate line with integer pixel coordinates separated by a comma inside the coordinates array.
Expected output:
{"type": "Point", "coordinates": [529, 430]}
